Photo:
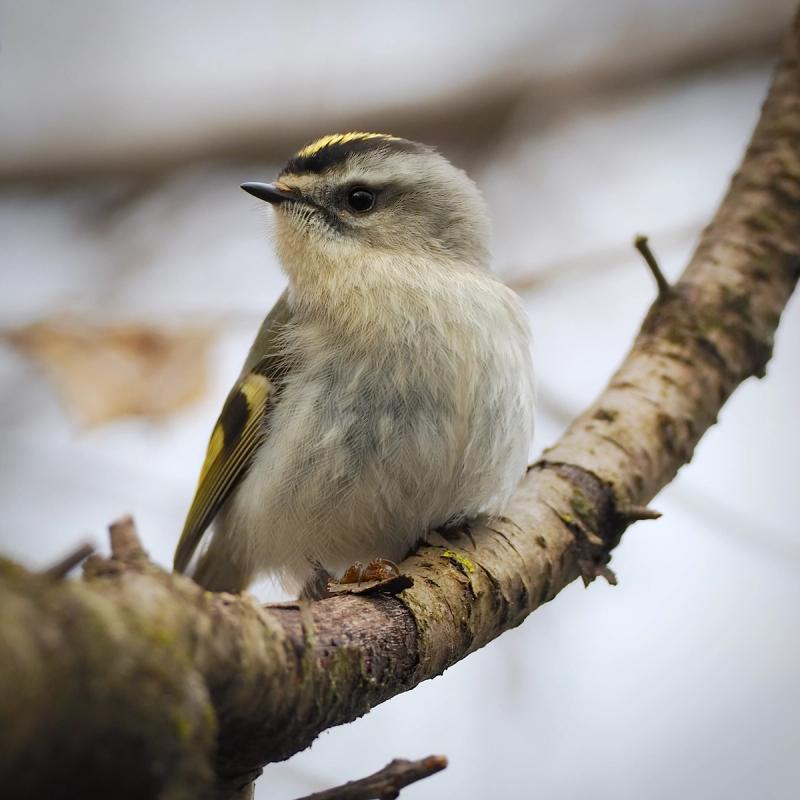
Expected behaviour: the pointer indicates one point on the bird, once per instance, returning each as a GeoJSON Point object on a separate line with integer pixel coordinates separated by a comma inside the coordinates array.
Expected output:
{"type": "Point", "coordinates": [390, 390]}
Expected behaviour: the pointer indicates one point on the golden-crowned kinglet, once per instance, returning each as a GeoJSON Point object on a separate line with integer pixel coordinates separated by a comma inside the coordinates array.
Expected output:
{"type": "Point", "coordinates": [390, 389]}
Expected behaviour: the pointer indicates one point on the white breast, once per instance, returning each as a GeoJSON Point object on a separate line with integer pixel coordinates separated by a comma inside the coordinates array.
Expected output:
{"type": "Point", "coordinates": [373, 443]}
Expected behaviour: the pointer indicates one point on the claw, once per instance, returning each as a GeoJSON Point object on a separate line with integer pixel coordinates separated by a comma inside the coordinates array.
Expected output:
{"type": "Point", "coordinates": [380, 576]}
{"type": "Point", "coordinates": [353, 573]}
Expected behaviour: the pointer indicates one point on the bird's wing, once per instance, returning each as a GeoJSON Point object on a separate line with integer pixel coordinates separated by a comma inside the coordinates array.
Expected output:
{"type": "Point", "coordinates": [239, 431]}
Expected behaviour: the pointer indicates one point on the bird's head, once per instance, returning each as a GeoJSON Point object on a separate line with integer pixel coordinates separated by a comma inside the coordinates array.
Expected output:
{"type": "Point", "coordinates": [353, 201]}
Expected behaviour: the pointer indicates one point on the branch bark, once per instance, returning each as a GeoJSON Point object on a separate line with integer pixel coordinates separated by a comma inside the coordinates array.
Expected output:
{"type": "Point", "coordinates": [136, 683]}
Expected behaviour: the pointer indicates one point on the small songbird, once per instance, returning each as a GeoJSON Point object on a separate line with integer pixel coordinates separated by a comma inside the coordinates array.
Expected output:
{"type": "Point", "coordinates": [388, 392]}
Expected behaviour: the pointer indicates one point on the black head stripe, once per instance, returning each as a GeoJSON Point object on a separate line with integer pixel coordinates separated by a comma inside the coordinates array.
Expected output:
{"type": "Point", "coordinates": [338, 152]}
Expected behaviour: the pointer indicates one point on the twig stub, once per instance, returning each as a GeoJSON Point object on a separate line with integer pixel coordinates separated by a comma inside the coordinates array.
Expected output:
{"type": "Point", "coordinates": [125, 543]}
{"type": "Point", "coordinates": [636, 513]}
{"type": "Point", "coordinates": [62, 567]}
{"type": "Point", "coordinates": [386, 783]}
{"type": "Point", "coordinates": [664, 287]}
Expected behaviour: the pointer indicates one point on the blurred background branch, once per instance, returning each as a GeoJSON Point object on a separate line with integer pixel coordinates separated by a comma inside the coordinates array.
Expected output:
{"type": "Point", "coordinates": [290, 64]}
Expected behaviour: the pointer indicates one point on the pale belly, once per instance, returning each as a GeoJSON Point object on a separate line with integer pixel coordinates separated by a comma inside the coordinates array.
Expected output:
{"type": "Point", "coordinates": [362, 459]}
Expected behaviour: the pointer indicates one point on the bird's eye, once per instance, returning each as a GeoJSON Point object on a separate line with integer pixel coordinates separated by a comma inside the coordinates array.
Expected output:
{"type": "Point", "coordinates": [360, 199]}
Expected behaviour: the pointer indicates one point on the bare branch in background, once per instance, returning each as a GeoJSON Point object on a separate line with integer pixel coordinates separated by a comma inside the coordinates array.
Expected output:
{"type": "Point", "coordinates": [187, 693]}
{"type": "Point", "coordinates": [616, 50]}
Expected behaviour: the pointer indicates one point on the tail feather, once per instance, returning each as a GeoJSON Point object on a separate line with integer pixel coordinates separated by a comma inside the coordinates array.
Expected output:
{"type": "Point", "coordinates": [217, 572]}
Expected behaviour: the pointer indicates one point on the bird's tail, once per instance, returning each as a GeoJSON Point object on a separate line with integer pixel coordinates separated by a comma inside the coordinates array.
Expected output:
{"type": "Point", "coordinates": [217, 572]}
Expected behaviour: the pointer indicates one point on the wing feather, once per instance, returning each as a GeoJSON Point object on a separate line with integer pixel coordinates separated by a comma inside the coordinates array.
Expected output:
{"type": "Point", "coordinates": [239, 431]}
{"type": "Point", "coordinates": [235, 438]}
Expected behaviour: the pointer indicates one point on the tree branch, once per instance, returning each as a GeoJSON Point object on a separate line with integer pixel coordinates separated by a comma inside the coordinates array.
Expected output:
{"type": "Point", "coordinates": [141, 674]}
{"type": "Point", "coordinates": [386, 783]}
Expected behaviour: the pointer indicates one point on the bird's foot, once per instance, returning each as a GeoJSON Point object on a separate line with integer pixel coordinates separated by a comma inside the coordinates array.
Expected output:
{"type": "Point", "coordinates": [380, 569]}
{"type": "Point", "coordinates": [380, 576]}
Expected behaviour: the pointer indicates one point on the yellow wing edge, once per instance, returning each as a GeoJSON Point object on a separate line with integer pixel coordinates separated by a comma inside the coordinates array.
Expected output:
{"type": "Point", "coordinates": [234, 440]}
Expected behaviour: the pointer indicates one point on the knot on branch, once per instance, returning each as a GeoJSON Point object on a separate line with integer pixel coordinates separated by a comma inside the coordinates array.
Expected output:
{"type": "Point", "coordinates": [594, 518]}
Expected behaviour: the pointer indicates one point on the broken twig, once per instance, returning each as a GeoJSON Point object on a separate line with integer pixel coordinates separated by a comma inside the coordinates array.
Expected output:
{"type": "Point", "coordinates": [61, 568]}
{"type": "Point", "coordinates": [664, 287]}
{"type": "Point", "coordinates": [386, 783]}
{"type": "Point", "coordinates": [125, 542]}
{"type": "Point", "coordinates": [636, 513]}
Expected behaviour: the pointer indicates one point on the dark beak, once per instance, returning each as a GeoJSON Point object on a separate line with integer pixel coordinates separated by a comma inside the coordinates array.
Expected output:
{"type": "Point", "coordinates": [269, 192]}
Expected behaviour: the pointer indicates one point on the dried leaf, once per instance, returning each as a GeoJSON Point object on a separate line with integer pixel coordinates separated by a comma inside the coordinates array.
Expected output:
{"type": "Point", "coordinates": [393, 585]}
{"type": "Point", "coordinates": [104, 372]}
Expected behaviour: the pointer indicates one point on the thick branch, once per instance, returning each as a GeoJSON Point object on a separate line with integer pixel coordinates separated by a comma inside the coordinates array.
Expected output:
{"type": "Point", "coordinates": [150, 671]}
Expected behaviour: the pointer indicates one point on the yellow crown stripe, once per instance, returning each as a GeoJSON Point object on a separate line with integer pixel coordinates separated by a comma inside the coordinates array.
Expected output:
{"type": "Point", "coordinates": [340, 138]}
